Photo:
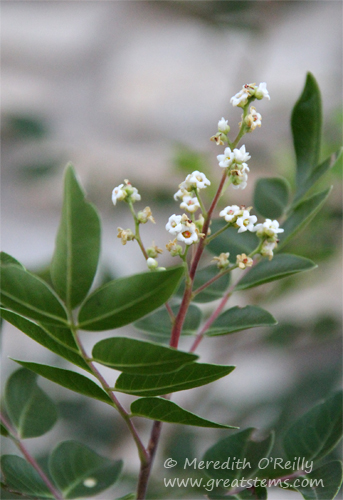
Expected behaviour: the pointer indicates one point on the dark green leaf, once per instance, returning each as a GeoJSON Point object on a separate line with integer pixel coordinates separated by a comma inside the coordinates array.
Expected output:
{"type": "Point", "coordinates": [68, 379]}
{"type": "Point", "coordinates": [317, 432]}
{"type": "Point", "coordinates": [242, 446]}
{"type": "Point", "coordinates": [240, 318]}
{"type": "Point", "coordinates": [306, 125]}
{"type": "Point", "coordinates": [164, 410]}
{"type": "Point", "coordinates": [317, 172]}
{"type": "Point", "coordinates": [129, 496]}
{"type": "Point", "coordinates": [21, 476]}
{"type": "Point", "coordinates": [80, 472]}
{"type": "Point", "coordinates": [77, 249]}
{"type": "Point", "coordinates": [125, 300]}
{"type": "Point", "coordinates": [159, 324]}
{"type": "Point", "coordinates": [30, 296]}
{"type": "Point", "coordinates": [212, 292]}
{"type": "Point", "coordinates": [302, 215]}
{"type": "Point", "coordinates": [232, 241]}
{"type": "Point", "coordinates": [29, 408]}
{"type": "Point", "coordinates": [271, 196]}
{"type": "Point", "coordinates": [5, 258]}
{"type": "Point", "coordinates": [62, 343]}
{"type": "Point", "coordinates": [255, 493]}
{"type": "Point", "coordinates": [136, 356]}
{"type": "Point", "coordinates": [281, 266]}
{"type": "Point", "coordinates": [327, 481]}
{"type": "Point", "coordinates": [187, 377]}
{"type": "Point", "coordinates": [3, 431]}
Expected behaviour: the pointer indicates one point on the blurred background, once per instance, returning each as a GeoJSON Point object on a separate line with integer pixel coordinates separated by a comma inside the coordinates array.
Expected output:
{"type": "Point", "coordinates": [135, 90]}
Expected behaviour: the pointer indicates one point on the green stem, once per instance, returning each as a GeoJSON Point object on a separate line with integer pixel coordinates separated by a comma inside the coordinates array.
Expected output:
{"type": "Point", "coordinates": [203, 209]}
{"type": "Point", "coordinates": [143, 455]}
{"type": "Point", "coordinates": [15, 438]}
{"type": "Point", "coordinates": [137, 233]}
{"type": "Point", "coordinates": [217, 233]}
{"type": "Point", "coordinates": [242, 130]}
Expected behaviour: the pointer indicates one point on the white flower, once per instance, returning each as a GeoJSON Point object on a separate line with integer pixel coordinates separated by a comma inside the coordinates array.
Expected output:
{"type": "Point", "coordinates": [245, 168]}
{"type": "Point", "coordinates": [222, 260]}
{"type": "Point", "coordinates": [230, 213]}
{"type": "Point", "coordinates": [244, 261]}
{"type": "Point", "coordinates": [261, 91]}
{"type": "Point", "coordinates": [118, 194]}
{"type": "Point", "coordinates": [226, 159]}
{"type": "Point", "coordinates": [241, 155]}
{"type": "Point", "coordinates": [135, 196]}
{"type": "Point", "coordinates": [246, 222]}
{"type": "Point", "coordinates": [269, 228]}
{"type": "Point", "coordinates": [253, 120]}
{"type": "Point", "coordinates": [223, 126]}
{"type": "Point", "coordinates": [241, 181]}
{"type": "Point", "coordinates": [151, 263]}
{"type": "Point", "coordinates": [241, 98]}
{"type": "Point", "coordinates": [197, 180]}
{"type": "Point", "coordinates": [174, 225]}
{"type": "Point", "coordinates": [189, 234]}
{"type": "Point", "coordinates": [267, 249]}
{"type": "Point", "coordinates": [190, 204]}
{"type": "Point", "coordinates": [180, 194]}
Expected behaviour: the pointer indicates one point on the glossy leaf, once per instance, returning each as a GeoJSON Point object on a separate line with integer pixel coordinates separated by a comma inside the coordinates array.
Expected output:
{"type": "Point", "coordinates": [68, 379]}
{"type": "Point", "coordinates": [77, 249]}
{"type": "Point", "coordinates": [164, 410]}
{"type": "Point", "coordinates": [29, 408]}
{"type": "Point", "coordinates": [231, 241]}
{"type": "Point", "coordinates": [317, 173]}
{"type": "Point", "coordinates": [80, 472]}
{"type": "Point", "coordinates": [187, 377]}
{"type": "Point", "coordinates": [136, 356]}
{"type": "Point", "coordinates": [242, 446]}
{"type": "Point", "coordinates": [280, 266]}
{"type": "Point", "coordinates": [271, 197]}
{"type": "Point", "coordinates": [317, 432]}
{"type": "Point", "coordinates": [22, 477]}
{"type": "Point", "coordinates": [328, 478]}
{"type": "Point", "coordinates": [42, 335]}
{"type": "Point", "coordinates": [159, 324]}
{"type": "Point", "coordinates": [301, 215]}
{"type": "Point", "coordinates": [212, 292]}
{"type": "Point", "coordinates": [30, 296]}
{"type": "Point", "coordinates": [5, 258]}
{"type": "Point", "coordinates": [306, 125]}
{"type": "Point", "coordinates": [240, 318]}
{"type": "Point", "coordinates": [125, 300]}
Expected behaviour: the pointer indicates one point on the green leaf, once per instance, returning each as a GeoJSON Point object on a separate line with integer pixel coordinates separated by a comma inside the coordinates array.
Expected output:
{"type": "Point", "coordinates": [242, 446]}
{"type": "Point", "coordinates": [317, 172]}
{"type": "Point", "coordinates": [187, 377]}
{"type": "Point", "coordinates": [281, 266]}
{"type": "Point", "coordinates": [231, 241]}
{"type": "Point", "coordinates": [317, 432]}
{"type": "Point", "coordinates": [129, 496]}
{"type": "Point", "coordinates": [77, 249]}
{"type": "Point", "coordinates": [68, 379]}
{"type": "Point", "coordinates": [136, 356]}
{"type": "Point", "coordinates": [255, 493]}
{"type": "Point", "coordinates": [240, 318]}
{"type": "Point", "coordinates": [125, 300]}
{"type": "Point", "coordinates": [3, 431]}
{"type": "Point", "coordinates": [21, 476]}
{"type": "Point", "coordinates": [80, 472]}
{"type": "Point", "coordinates": [306, 125]}
{"type": "Point", "coordinates": [43, 336]}
{"type": "Point", "coordinates": [30, 296]}
{"type": "Point", "coordinates": [271, 196]}
{"type": "Point", "coordinates": [29, 408]}
{"type": "Point", "coordinates": [159, 323]}
{"type": "Point", "coordinates": [164, 410]}
{"type": "Point", "coordinates": [5, 258]}
{"type": "Point", "coordinates": [327, 481]}
{"type": "Point", "coordinates": [212, 292]}
{"type": "Point", "coordinates": [302, 214]}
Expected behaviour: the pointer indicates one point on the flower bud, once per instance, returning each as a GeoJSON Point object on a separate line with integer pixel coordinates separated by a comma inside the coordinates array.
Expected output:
{"type": "Point", "coordinates": [152, 263]}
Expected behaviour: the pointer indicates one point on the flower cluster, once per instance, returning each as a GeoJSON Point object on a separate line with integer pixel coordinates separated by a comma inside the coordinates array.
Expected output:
{"type": "Point", "coordinates": [188, 190]}
{"type": "Point", "coordinates": [184, 229]}
{"type": "Point", "coordinates": [235, 163]}
{"type": "Point", "coordinates": [249, 92]}
{"type": "Point", "coordinates": [125, 192]}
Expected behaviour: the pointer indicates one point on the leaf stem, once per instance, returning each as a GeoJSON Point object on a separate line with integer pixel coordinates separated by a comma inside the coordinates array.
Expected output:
{"type": "Point", "coordinates": [116, 403]}
{"type": "Point", "coordinates": [15, 438]}
{"type": "Point", "coordinates": [137, 233]}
